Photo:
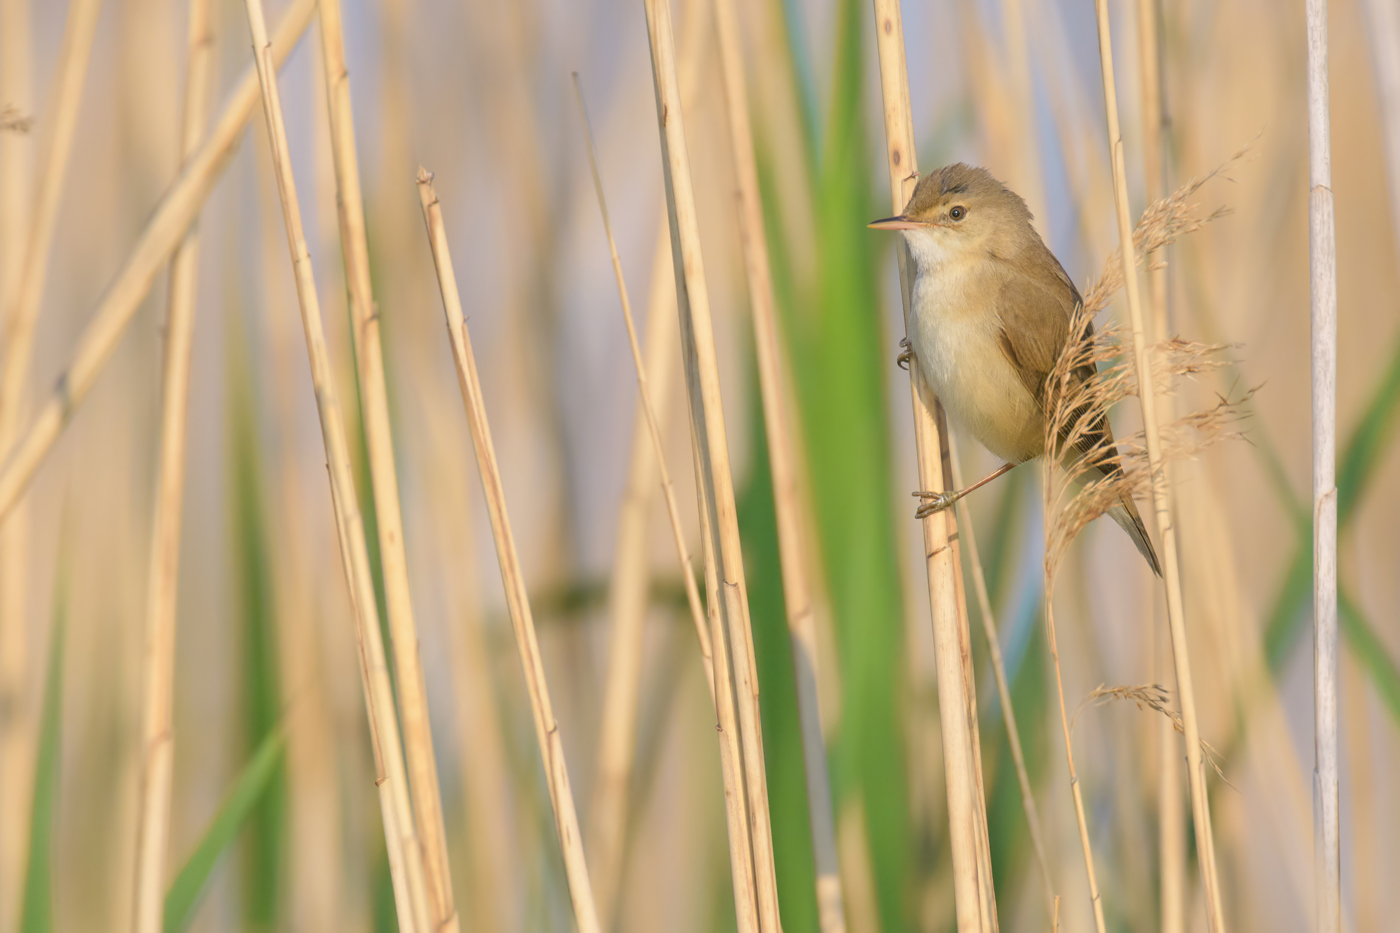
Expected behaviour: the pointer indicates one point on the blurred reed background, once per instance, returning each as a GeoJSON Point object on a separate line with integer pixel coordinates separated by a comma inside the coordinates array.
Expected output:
{"type": "Point", "coordinates": [275, 820]}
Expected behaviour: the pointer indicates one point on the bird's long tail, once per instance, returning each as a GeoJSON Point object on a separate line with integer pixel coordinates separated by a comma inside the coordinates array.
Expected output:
{"type": "Point", "coordinates": [1126, 515]}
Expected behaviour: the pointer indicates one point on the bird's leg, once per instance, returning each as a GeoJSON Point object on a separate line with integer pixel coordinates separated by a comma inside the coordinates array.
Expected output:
{"type": "Point", "coordinates": [938, 501]}
{"type": "Point", "coordinates": [906, 353]}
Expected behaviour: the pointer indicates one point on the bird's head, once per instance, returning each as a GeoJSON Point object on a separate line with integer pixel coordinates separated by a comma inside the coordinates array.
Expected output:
{"type": "Point", "coordinates": [957, 211]}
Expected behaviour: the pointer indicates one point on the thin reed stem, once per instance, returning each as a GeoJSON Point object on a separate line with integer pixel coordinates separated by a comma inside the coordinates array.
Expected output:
{"type": "Point", "coordinates": [628, 598]}
{"type": "Point", "coordinates": [630, 578]}
{"type": "Point", "coordinates": [379, 446]}
{"type": "Point", "coordinates": [1081, 821]}
{"type": "Point", "coordinates": [787, 507]}
{"type": "Point", "coordinates": [546, 727]}
{"type": "Point", "coordinates": [18, 724]}
{"type": "Point", "coordinates": [719, 517]}
{"type": "Point", "coordinates": [1013, 731]}
{"type": "Point", "coordinates": [405, 856]}
{"type": "Point", "coordinates": [612, 845]}
{"type": "Point", "coordinates": [692, 594]}
{"type": "Point", "coordinates": [23, 288]}
{"type": "Point", "coordinates": [1171, 830]}
{"type": "Point", "coordinates": [158, 739]}
{"type": "Point", "coordinates": [1161, 491]}
{"type": "Point", "coordinates": [1382, 20]}
{"type": "Point", "coordinates": [1017, 56]}
{"type": "Point", "coordinates": [23, 295]}
{"type": "Point", "coordinates": [1322, 243]}
{"type": "Point", "coordinates": [161, 236]}
{"type": "Point", "coordinates": [972, 883]}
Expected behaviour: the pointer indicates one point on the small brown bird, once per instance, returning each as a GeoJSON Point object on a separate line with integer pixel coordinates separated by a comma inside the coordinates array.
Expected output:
{"type": "Point", "coordinates": [989, 315]}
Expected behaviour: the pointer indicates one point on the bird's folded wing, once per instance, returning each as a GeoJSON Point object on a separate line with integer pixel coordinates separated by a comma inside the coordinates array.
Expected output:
{"type": "Point", "coordinates": [1035, 314]}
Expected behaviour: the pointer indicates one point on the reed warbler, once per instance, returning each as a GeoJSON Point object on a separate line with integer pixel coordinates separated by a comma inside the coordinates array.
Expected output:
{"type": "Point", "coordinates": [989, 315]}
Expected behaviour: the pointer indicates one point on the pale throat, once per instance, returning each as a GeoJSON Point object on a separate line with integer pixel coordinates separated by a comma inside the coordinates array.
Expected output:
{"type": "Point", "coordinates": [940, 251]}
{"type": "Point", "coordinates": [945, 265]}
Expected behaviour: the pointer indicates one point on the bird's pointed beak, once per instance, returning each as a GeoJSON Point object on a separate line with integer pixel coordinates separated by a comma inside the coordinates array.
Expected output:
{"type": "Point", "coordinates": [894, 223]}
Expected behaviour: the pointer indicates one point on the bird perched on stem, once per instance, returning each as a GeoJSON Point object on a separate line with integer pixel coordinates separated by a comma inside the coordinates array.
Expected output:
{"type": "Point", "coordinates": [989, 316]}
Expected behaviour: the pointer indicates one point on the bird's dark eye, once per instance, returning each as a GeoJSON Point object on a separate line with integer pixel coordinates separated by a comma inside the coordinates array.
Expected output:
{"type": "Point", "coordinates": [958, 213]}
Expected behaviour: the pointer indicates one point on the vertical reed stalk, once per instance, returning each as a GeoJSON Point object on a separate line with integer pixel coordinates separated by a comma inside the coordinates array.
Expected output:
{"type": "Point", "coordinates": [17, 723]}
{"type": "Point", "coordinates": [1017, 55]}
{"type": "Point", "coordinates": [628, 597]}
{"type": "Point", "coordinates": [787, 508]}
{"type": "Point", "coordinates": [1383, 32]}
{"type": "Point", "coordinates": [22, 296]}
{"type": "Point", "coordinates": [1013, 732]}
{"type": "Point", "coordinates": [736, 808]}
{"type": "Point", "coordinates": [1322, 242]}
{"type": "Point", "coordinates": [1171, 830]}
{"type": "Point", "coordinates": [16, 148]}
{"type": "Point", "coordinates": [1161, 491]}
{"type": "Point", "coordinates": [405, 858]}
{"type": "Point", "coordinates": [692, 594]}
{"type": "Point", "coordinates": [412, 694]}
{"type": "Point", "coordinates": [729, 592]}
{"type": "Point", "coordinates": [158, 739]}
{"type": "Point", "coordinates": [972, 884]}
{"type": "Point", "coordinates": [486, 799]}
{"type": "Point", "coordinates": [629, 584]}
{"type": "Point", "coordinates": [613, 842]}
{"type": "Point", "coordinates": [23, 288]}
{"type": "Point", "coordinates": [1365, 857]}
{"type": "Point", "coordinates": [161, 236]}
{"type": "Point", "coordinates": [1081, 821]}
{"type": "Point", "coordinates": [546, 727]}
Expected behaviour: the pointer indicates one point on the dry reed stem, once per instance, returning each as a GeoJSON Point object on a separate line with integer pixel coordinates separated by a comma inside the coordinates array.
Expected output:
{"type": "Point", "coordinates": [1161, 493]}
{"type": "Point", "coordinates": [1365, 849]}
{"type": "Point", "coordinates": [787, 506]}
{"type": "Point", "coordinates": [158, 739]}
{"type": "Point", "coordinates": [1383, 34]}
{"type": "Point", "coordinates": [546, 727]}
{"type": "Point", "coordinates": [22, 296]}
{"type": "Point", "coordinates": [1095, 897]}
{"type": "Point", "coordinates": [1271, 753]}
{"type": "Point", "coordinates": [610, 835]}
{"type": "Point", "coordinates": [1322, 251]}
{"type": "Point", "coordinates": [629, 582]}
{"type": "Point", "coordinates": [486, 799]}
{"type": "Point", "coordinates": [962, 759]}
{"type": "Point", "coordinates": [736, 809]}
{"type": "Point", "coordinates": [18, 725]}
{"type": "Point", "coordinates": [403, 632]}
{"type": "Point", "coordinates": [1171, 831]}
{"type": "Point", "coordinates": [1080, 406]}
{"type": "Point", "coordinates": [318, 897]}
{"type": "Point", "coordinates": [1017, 58]}
{"type": "Point", "coordinates": [628, 597]}
{"type": "Point", "coordinates": [1013, 732]}
{"type": "Point", "coordinates": [729, 593]}
{"type": "Point", "coordinates": [162, 234]}
{"type": "Point", "coordinates": [692, 594]}
{"type": "Point", "coordinates": [405, 858]}
{"type": "Point", "coordinates": [20, 301]}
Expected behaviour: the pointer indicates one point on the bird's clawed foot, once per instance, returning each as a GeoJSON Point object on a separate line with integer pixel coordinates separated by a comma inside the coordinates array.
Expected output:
{"type": "Point", "coordinates": [906, 354]}
{"type": "Point", "coordinates": [935, 502]}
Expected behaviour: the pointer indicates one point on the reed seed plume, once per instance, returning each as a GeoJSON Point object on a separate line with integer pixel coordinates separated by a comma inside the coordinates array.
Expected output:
{"type": "Point", "coordinates": [1093, 476]}
{"type": "Point", "coordinates": [1163, 223]}
{"type": "Point", "coordinates": [1148, 697]}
